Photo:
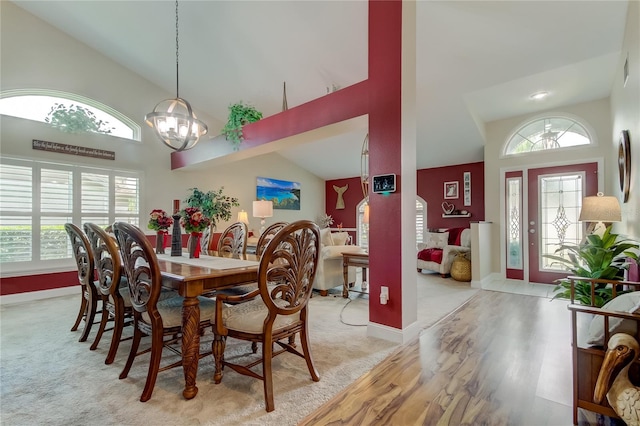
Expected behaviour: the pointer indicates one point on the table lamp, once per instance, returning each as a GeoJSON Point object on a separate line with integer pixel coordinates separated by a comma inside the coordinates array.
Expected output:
{"type": "Point", "coordinates": [242, 217]}
{"type": "Point", "coordinates": [599, 209]}
{"type": "Point", "coordinates": [262, 209]}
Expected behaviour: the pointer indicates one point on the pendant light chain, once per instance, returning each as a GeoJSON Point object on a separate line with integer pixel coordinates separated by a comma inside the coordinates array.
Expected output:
{"type": "Point", "coordinates": [177, 62]}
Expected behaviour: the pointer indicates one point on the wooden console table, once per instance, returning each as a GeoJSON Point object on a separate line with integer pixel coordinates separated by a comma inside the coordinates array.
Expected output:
{"type": "Point", "coordinates": [360, 260]}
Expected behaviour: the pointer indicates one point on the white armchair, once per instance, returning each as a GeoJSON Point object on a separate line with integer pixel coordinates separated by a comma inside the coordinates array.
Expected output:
{"type": "Point", "coordinates": [438, 252]}
{"type": "Point", "coordinates": [329, 272]}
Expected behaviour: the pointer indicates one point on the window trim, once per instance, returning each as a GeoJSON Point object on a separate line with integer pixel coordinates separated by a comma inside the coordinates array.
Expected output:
{"type": "Point", "coordinates": [39, 266]}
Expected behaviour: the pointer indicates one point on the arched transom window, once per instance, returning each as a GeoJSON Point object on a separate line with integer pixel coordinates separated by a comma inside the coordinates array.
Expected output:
{"type": "Point", "coordinates": [548, 133]}
{"type": "Point", "coordinates": [68, 112]}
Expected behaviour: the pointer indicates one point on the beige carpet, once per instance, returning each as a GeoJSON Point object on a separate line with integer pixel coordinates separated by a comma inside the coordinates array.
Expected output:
{"type": "Point", "coordinates": [48, 377]}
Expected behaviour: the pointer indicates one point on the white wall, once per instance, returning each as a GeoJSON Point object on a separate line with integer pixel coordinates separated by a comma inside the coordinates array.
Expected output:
{"type": "Point", "coordinates": [36, 55]}
{"type": "Point", "coordinates": [607, 117]}
{"type": "Point", "coordinates": [625, 115]}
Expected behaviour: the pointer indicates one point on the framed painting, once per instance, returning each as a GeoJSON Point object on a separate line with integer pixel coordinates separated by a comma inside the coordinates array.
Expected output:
{"type": "Point", "coordinates": [451, 190]}
{"type": "Point", "coordinates": [284, 194]}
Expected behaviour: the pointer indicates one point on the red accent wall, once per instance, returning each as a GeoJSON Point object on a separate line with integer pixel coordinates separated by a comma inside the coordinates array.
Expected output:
{"type": "Point", "coordinates": [431, 188]}
{"type": "Point", "coordinates": [352, 197]}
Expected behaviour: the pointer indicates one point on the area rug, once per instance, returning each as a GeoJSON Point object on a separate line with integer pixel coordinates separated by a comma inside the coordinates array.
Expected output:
{"type": "Point", "coordinates": [48, 377]}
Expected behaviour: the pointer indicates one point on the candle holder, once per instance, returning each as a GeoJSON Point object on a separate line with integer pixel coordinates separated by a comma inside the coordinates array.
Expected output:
{"type": "Point", "coordinates": [176, 236]}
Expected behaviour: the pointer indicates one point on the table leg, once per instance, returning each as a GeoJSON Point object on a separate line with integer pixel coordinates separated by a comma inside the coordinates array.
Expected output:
{"type": "Point", "coordinates": [190, 344]}
{"type": "Point", "coordinates": [345, 276]}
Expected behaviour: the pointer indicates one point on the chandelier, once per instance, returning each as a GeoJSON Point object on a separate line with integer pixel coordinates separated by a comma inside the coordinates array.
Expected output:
{"type": "Point", "coordinates": [173, 120]}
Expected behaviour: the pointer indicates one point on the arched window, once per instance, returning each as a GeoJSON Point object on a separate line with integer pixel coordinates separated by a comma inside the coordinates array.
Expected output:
{"type": "Point", "coordinates": [68, 112]}
{"type": "Point", "coordinates": [550, 132]}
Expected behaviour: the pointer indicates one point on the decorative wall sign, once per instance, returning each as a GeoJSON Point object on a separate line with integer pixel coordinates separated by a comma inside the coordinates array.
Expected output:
{"type": "Point", "coordinates": [284, 194]}
{"type": "Point", "coordinates": [62, 148]}
{"type": "Point", "coordinates": [466, 188]}
{"type": "Point", "coordinates": [624, 164]}
{"type": "Point", "coordinates": [451, 190]}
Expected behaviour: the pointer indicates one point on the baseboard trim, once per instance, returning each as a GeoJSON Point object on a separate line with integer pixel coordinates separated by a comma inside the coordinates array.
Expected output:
{"type": "Point", "coordinates": [487, 279]}
{"type": "Point", "coordinates": [38, 295]}
{"type": "Point", "coordinates": [391, 334]}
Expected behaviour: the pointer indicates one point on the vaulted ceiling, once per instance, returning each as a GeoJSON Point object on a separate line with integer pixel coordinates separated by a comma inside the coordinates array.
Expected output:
{"type": "Point", "coordinates": [477, 61]}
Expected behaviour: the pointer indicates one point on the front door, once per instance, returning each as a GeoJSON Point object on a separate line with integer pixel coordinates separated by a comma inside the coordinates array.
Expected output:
{"type": "Point", "coordinates": [554, 203]}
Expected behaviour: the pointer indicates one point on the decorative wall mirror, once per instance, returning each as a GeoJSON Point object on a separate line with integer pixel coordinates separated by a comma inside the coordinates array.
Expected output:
{"type": "Point", "coordinates": [624, 164]}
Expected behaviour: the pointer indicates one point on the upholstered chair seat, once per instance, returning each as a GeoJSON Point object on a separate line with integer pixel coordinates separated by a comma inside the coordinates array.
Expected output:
{"type": "Point", "coordinates": [170, 310]}
{"type": "Point", "coordinates": [249, 317]}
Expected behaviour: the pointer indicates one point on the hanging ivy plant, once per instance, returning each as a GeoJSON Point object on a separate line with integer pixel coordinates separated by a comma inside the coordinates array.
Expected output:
{"type": "Point", "coordinates": [76, 119]}
{"type": "Point", "coordinates": [239, 115]}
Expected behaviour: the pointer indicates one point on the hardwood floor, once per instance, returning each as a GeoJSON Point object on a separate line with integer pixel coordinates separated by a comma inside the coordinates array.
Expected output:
{"type": "Point", "coordinates": [501, 359]}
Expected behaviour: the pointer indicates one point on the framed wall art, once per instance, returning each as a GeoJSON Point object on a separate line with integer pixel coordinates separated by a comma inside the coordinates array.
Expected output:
{"type": "Point", "coordinates": [451, 190]}
{"type": "Point", "coordinates": [284, 194]}
{"type": "Point", "coordinates": [466, 188]}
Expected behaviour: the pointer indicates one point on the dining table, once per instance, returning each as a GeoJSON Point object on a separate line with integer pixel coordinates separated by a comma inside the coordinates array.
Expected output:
{"type": "Point", "coordinates": [192, 277]}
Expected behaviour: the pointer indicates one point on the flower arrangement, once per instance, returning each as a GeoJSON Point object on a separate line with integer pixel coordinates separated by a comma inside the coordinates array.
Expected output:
{"type": "Point", "coordinates": [159, 220]}
{"type": "Point", "coordinates": [192, 220]}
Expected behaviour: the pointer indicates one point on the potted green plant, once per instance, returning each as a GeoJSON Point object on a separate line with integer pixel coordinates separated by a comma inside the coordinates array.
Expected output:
{"type": "Point", "coordinates": [603, 257]}
{"type": "Point", "coordinates": [214, 204]}
{"type": "Point", "coordinates": [239, 115]}
{"type": "Point", "coordinates": [76, 119]}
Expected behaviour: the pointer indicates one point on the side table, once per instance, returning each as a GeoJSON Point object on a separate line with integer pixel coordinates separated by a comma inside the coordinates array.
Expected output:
{"type": "Point", "coordinates": [360, 260]}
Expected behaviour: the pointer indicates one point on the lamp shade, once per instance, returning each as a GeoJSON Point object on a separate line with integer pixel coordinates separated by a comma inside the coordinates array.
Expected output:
{"type": "Point", "coordinates": [365, 218]}
{"type": "Point", "coordinates": [262, 208]}
{"type": "Point", "coordinates": [600, 208]}
{"type": "Point", "coordinates": [243, 217]}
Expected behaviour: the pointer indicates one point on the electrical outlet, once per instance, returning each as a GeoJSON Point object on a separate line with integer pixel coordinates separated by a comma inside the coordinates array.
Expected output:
{"type": "Point", "coordinates": [384, 295]}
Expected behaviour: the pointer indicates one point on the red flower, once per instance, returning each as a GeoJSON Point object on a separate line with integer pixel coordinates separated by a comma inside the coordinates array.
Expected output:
{"type": "Point", "coordinates": [193, 220]}
{"type": "Point", "coordinates": [159, 221]}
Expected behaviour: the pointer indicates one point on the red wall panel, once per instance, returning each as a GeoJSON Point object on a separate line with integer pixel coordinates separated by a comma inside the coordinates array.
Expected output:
{"type": "Point", "coordinates": [431, 189]}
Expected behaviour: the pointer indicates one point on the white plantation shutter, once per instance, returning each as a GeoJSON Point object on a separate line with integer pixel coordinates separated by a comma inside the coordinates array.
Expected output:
{"type": "Point", "coordinates": [38, 198]}
{"type": "Point", "coordinates": [95, 193]}
{"type": "Point", "coordinates": [16, 191]}
{"type": "Point", "coordinates": [421, 219]}
{"type": "Point", "coordinates": [56, 207]}
{"type": "Point", "coordinates": [127, 197]}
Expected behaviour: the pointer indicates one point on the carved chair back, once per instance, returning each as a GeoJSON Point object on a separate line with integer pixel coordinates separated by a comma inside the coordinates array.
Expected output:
{"type": "Point", "coordinates": [233, 240]}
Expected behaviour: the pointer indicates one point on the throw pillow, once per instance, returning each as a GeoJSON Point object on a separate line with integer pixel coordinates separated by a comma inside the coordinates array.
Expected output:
{"type": "Point", "coordinates": [454, 235]}
{"type": "Point", "coordinates": [325, 237]}
{"type": "Point", "coordinates": [436, 239]}
{"type": "Point", "coordinates": [339, 238]}
{"type": "Point", "coordinates": [627, 303]}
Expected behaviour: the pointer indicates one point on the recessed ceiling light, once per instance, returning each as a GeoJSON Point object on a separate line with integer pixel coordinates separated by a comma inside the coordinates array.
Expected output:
{"type": "Point", "coordinates": [539, 95]}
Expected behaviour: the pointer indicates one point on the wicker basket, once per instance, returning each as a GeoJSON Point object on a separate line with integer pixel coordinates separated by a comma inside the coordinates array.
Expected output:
{"type": "Point", "coordinates": [461, 268]}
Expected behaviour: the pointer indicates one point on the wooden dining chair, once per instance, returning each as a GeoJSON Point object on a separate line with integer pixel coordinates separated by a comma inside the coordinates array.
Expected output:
{"type": "Point", "coordinates": [90, 295]}
{"type": "Point", "coordinates": [267, 235]}
{"type": "Point", "coordinates": [233, 240]}
{"type": "Point", "coordinates": [112, 285]}
{"type": "Point", "coordinates": [152, 316]}
{"type": "Point", "coordinates": [285, 280]}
